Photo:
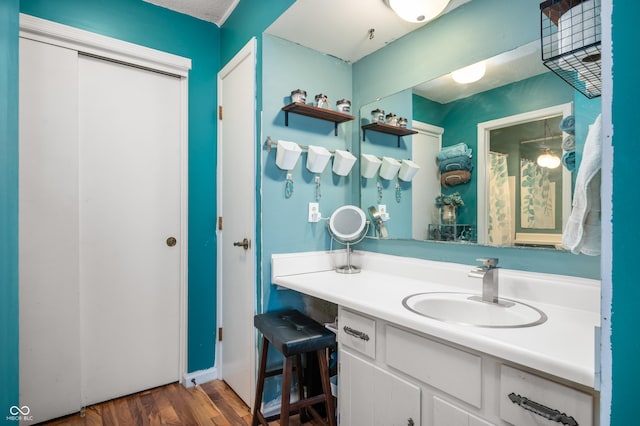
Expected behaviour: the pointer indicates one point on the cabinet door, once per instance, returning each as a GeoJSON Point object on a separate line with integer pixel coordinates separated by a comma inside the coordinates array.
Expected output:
{"type": "Point", "coordinates": [446, 414]}
{"type": "Point", "coordinates": [369, 395]}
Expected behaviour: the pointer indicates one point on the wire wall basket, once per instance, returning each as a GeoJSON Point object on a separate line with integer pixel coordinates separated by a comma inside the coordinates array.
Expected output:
{"type": "Point", "coordinates": [570, 35]}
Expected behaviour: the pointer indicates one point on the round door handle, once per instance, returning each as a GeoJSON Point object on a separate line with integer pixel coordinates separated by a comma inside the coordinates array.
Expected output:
{"type": "Point", "coordinates": [171, 241]}
{"type": "Point", "coordinates": [245, 244]}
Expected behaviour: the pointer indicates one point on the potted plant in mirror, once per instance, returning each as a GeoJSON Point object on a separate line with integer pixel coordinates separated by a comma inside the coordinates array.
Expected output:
{"type": "Point", "coordinates": [448, 204]}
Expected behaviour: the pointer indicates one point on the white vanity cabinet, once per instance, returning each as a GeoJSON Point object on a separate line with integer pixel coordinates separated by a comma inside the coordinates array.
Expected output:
{"type": "Point", "coordinates": [373, 396]}
{"type": "Point", "coordinates": [369, 393]}
{"type": "Point", "coordinates": [389, 375]}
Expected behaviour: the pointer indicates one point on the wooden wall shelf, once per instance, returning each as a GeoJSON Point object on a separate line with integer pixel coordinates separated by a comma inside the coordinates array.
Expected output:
{"type": "Point", "coordinates": [387, 128]}
{"type": "Point", "coordinates": [321, 113]}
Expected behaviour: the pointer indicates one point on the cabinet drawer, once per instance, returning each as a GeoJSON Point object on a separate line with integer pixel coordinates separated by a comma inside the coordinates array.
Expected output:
{"type": "Point", "coordinates": [451, 370]}
{"type": "Point", "coordinates": [357, 332]}
{"type": "Point", "coordinates": [526, 399]}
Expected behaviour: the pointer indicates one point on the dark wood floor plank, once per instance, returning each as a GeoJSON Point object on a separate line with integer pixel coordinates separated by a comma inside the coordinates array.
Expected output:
{"type": "Point", "coordinates": [168, 415]}
{"type": "Point", "coordinates": [181, 407]}
{"type": "Point", "coordinates": [213, 403]}
{"type": "Point", "coordinates": [137, 411]}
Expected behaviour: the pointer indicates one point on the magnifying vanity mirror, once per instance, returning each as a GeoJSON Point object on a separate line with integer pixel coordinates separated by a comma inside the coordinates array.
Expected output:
{"type": "Point", "coordinates": [348, 225]}
{"type": "Point", "coordinates": [507, 119]}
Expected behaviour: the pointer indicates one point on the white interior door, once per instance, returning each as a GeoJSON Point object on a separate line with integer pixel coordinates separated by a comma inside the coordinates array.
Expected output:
{"type": "Point", "coordinates": [424, 149]}
{"type": "Point", "coordinates": [236, 205]}
{"type": "Point", "coordinates": [129, 132]}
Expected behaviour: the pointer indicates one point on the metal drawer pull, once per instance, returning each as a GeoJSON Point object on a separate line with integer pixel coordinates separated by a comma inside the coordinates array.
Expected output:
{"type": "Point", "coordinates": [542, 410]}
{"type": "Point", "coordinates": [356, 333]}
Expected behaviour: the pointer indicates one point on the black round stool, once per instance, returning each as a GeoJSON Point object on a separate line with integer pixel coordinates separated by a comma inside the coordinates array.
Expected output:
{"type": "Point", "coordinates": [293, 334]}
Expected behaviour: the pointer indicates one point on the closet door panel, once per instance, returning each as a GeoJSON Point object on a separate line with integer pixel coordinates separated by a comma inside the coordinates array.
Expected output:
{"type": "Point", "coordinates": [48, 231]}
{"type": "Point", "coordinates": [129, 121]}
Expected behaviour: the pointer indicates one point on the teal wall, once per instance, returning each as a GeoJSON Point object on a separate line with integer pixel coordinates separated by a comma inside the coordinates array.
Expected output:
{"type": "Point", "coordinates": [249, 19]}
{"type": "Point", "coordinates": [444, 45]}
{"type": "Point", "coordinates": [626, 292]}
{"type": "Point", "coordinates": [142, 23]}
{"type": "Point", "coordinates": [460, 119]}
{"type": "Point", "coordinates": [8, 206]}
{"type": "Point", "coordinates": [286, 67]}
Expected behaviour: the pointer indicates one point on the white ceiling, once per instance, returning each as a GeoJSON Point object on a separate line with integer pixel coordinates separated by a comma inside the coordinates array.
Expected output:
{"type": "Point", "coordinates": [341, 27]}
{"type": "Point", "coordinates": [216, 11]}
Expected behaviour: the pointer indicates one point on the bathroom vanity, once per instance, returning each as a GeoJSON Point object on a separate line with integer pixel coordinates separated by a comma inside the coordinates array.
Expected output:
{"type": "Point", "coordinates": [397, 367]}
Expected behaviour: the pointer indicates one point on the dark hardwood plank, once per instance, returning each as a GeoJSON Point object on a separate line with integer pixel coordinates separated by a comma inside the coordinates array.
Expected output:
{"type": "Point", "coordinates": [212, 403]}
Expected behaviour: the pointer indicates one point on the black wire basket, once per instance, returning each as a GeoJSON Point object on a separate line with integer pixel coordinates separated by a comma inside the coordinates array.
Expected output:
{"type": "Point", "coordinates": [570, 36]}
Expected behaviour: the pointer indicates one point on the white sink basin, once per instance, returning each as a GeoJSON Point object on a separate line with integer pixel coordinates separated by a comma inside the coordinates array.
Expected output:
{"type": "Point", "coordinates": [468, 309]}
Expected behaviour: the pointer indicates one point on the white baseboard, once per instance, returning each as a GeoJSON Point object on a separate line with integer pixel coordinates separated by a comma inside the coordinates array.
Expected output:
{"type": "Point", "coordinates": [200, 376]}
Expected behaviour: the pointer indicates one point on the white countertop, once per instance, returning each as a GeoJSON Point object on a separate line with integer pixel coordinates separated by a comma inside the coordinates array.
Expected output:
{"type": "Point", "coordinates": [563, 346]}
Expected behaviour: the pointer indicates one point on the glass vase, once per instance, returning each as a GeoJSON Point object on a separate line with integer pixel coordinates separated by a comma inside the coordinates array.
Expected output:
{"type": "Point", "coordinates": [449, 214]}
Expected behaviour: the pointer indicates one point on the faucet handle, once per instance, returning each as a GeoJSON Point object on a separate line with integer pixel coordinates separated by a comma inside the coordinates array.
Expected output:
{"type": "Point", "coordinates": [490, 262]}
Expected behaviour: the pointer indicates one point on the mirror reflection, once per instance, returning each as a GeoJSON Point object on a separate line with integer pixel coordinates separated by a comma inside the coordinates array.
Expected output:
{"type": "Point", "coordinates": [515, 109]}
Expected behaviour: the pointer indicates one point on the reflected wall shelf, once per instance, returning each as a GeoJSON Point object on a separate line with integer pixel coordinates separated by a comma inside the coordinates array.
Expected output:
{"type": "Point", "coordinates": [315, 112]}
{"type": "Point", "coordinates": [387, 128]}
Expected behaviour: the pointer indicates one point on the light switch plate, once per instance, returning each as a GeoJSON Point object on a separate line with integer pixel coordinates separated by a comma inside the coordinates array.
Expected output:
{"type": "Point", "coordinates": [314, 212]}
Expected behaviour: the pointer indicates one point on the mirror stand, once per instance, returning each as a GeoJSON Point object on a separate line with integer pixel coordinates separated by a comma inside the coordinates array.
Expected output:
{"type": "Point", "coordinates": [348, 268]}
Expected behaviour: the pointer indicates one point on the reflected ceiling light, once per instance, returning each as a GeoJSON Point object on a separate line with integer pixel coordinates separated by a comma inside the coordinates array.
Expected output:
{"type": "Point", "coordinates": [417, 10]}
{"type": "Point", "coordinates": [548, 159]}
{"type": "Point", "coordinates": [469, 74]}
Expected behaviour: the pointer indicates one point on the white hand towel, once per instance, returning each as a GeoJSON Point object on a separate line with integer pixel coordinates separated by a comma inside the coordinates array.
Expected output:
{"type": "Point", "coordinates": [582, 233]}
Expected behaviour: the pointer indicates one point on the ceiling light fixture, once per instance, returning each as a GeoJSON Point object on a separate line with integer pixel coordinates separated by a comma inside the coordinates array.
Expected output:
{"type": "Point", "coordinates": [469, 74]}
{"type": "Point", "coordinates": [417, 11]}
{"type": "Point", "coordinates": [548, 159]}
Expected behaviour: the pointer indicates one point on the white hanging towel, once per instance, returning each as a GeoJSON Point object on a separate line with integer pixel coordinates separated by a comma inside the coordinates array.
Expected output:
{"type": "Point", "coordinates": [582, 233]}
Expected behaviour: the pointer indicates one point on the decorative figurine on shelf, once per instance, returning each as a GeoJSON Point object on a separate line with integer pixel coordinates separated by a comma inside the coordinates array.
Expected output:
{"type": "Point", "coordinates": [448, 205]}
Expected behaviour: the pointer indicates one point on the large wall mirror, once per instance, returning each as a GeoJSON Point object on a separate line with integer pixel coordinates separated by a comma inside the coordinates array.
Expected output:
{"type": "Point", "coordinates": [508, 119]}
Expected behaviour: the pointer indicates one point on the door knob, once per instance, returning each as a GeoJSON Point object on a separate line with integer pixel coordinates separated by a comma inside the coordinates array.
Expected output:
{"type": "Point", "coordinates": [245, 244]}
{"type": "Point", "coordinates": [171, 241]}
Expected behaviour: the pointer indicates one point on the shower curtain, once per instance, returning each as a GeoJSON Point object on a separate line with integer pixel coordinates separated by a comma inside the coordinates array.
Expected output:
{"type": "Point", "coordinates": [500, 221]}
{"type": "Point", "coordinates": [537, 197]}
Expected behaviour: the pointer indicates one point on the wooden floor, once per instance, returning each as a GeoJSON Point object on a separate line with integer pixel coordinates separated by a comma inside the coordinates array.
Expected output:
{"type": "Point", "coordinates": [212, 403]}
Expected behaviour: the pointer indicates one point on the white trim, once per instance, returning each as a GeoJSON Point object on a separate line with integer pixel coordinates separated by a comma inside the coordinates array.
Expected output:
{"type": "Point", "coordinates": [248, 51]}
{"type": "Point", "coordinates": [427, 128]}
{"type": "Point", "coordinates": [98, 45]}
{"type": "Point", "coordinates": [199, 377]}
{"type": "Point", "coordinates": [184, 223]}
{"type": "Point", "coordinates": [484, 130]}
{"type": "Point", "coordinates": [117, 50]}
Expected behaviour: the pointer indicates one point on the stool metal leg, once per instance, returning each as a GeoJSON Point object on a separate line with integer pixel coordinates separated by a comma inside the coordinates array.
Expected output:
{"type": "Point", "coordinates": [326, 386]}
{"type": "Point", "coordinates": [257, 415]}
{"type": "Point", "coordinates": [287, 371]}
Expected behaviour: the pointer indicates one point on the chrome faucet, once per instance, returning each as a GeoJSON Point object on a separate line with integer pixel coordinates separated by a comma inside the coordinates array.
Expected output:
{"type": "Point", "coordinates": [489, 274]}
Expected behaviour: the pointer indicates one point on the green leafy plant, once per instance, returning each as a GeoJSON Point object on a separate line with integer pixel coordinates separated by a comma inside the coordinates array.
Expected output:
{"type": "Point", "coordinates": [449, 200]}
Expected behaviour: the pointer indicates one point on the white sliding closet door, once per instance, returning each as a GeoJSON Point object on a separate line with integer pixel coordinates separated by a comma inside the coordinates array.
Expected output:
{"type": "Point", "coordinates": [129, 131]}
{"type": "Point", "coordinates": [102, 224]}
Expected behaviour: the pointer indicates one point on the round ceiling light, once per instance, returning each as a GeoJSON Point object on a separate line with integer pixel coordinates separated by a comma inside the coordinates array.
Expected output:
{"type": "Point", "coordinates": [469, 74]}
{"type": "Point", "coordinates": [418, 10]}
{"type": "Point", "coordinates": [548, 159]}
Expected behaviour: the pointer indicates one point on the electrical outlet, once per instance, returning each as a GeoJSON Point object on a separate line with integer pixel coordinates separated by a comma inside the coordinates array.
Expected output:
{"type": "Point", "coordinates": [382, 210]}
{"type": "Point", "coordinates": [314, 212]}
